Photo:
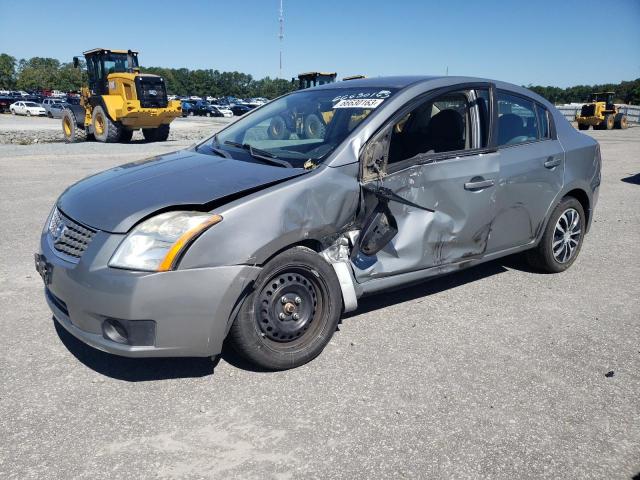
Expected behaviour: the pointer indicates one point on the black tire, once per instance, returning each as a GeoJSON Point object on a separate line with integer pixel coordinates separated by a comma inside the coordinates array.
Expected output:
{"type": "Point", "coordinates": [621, 121]}
{"type": "Point", "coordinates": [49, 115]}
{"type": "Point", "coordinates": [609, 122]}
{"type": "Point", "coordinates": [126, 135]}
{"type": "Point", "coordinates": [543, 257]}
{"type": "Point", "coordinates": [278, 129]}
{"type": "Point", "coordinates": [105, 130]}
{"type": "Point", "coordinates": [159, 134]}
{"type": "Point", "coordinates": [314, 127]}
{"type": "Point", "coordinates": [583, 126]}
{"type": "Point", "coordinates": [70, 129]}
{"type": "Point", "coordinates": [313, 293]}
{"type": "Point", "coordinates": [28, 113]}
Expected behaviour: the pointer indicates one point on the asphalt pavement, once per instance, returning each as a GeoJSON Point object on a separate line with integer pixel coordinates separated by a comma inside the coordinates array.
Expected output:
{"type": "Point", "coordinates": [495, 372]}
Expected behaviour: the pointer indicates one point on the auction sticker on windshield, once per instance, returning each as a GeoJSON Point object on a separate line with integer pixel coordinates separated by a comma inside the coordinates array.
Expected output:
{"type": "Point", "coordinates": [359, 103]}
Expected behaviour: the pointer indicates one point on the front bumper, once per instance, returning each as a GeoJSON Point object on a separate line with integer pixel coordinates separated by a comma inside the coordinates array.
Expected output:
{"type": "Point", "coordinates": [192, 309]}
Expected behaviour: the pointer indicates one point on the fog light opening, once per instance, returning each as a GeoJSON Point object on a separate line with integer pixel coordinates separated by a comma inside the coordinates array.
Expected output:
{"type": "Point", "coordinates": [115, 331]}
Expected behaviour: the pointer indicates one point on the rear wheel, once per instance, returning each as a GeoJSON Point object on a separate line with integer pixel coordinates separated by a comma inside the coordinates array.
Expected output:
{"type": "Point", "coordinates": [583, 126]}
{"type": "Point", "coordinates": [562, 238]}
{"type": "Point", "coordinates": [104, 129]}
{"type": "Point", "coordinates": [49, 114]}
{"type": "Point", "coordinates": [70, 129]}
{"type": "Point", "coordinates": [159, 134]}
{"type": "Point", "coordinates": [314, 127]}
{"type": "Point", "coordinates": [28, 113]}
{"type": "Point", "coordinates": [291, 314]}
{"type": "Point", "coordinates": [621, 121]}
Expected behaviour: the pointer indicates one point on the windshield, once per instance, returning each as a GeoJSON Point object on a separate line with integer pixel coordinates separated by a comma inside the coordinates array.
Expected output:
{"type": "Point", "coordinates": [118, 62]}
{"type": "Point", "coordinates": [303, 126]}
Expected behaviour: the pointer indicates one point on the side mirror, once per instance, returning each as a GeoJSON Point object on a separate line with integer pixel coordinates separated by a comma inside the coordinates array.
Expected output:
{"type": "Point", "coordinates": [76, 62]}
{"type": "Point", "coordinates": [378, 230]}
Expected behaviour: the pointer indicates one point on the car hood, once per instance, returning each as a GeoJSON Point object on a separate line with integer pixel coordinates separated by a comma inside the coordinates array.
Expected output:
{"type": "Point", "coordinates": [117, 199]}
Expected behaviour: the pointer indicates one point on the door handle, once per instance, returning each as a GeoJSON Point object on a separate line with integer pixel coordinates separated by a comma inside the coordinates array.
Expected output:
{"type": "Point", "coordinates": [478, 183]}
{"type": "Point", "coordinates": [552, 162]}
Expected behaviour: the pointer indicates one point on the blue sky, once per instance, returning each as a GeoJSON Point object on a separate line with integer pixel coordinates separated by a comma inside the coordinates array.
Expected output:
{"type": "Point", "coordinates": [561, 42]}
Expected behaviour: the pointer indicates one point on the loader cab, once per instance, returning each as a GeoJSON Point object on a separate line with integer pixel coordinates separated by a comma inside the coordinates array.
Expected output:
{"type": "Point", "coordinates": [605, 97]}
{"type": "Point", "coordinates": [313, 79]}
{"type": "Point", "coordinates": [101, 63]}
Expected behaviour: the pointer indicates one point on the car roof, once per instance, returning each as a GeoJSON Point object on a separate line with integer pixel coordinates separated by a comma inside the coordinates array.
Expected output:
{"type": "Point", "coordinates": [382, 82]}
{"type": "Point", "coordinates": [401, 82]}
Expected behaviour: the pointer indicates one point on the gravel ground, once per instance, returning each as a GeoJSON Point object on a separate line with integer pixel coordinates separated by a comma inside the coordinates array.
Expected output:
{"type": "Point", "coordinates": [495, 372]}
{"type": "Point", "coordinates": [21, 130]}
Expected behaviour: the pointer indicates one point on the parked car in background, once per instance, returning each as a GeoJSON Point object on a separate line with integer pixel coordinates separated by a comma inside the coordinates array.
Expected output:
{"type": "Point", "coordinates": [58, 94]}
{"type": "Point", "coordinates": [48, 102]}
{"type": "Point", "coordinates": [56, 110]}
{"type": "Point", "coordinates": [220, 111]}
{"type": "Point", "coordinates": [27, 108]}
{"type": "Point", "coordinates": [239, 109]}
{"type": "Point", "coordinates": [5, 102]}
{"type": "Point", "coordinates": [202, 108]}
{"type": "Point", "coordinates": [187, 108]}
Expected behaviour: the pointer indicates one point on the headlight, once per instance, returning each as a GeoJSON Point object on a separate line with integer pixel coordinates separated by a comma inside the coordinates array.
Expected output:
{"type": "Point", "coordinates": [156, 244]}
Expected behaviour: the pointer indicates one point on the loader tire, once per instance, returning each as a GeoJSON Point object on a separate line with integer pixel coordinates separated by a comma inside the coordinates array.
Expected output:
{"type": "Point", "coordinates": [621, 121]}
{"type": "Point", "coordinates": [609, 122]}
{"type": "Point", "coordinates": [70, 129]}
{"type": "Point", "coordinates": [125, 135]}
{"type": "Point", "coordinates": [583, 126]}
{"type": "Point", "coordinates": [104, 129]}
{"type": "Point", "coordinates": [159, 134]}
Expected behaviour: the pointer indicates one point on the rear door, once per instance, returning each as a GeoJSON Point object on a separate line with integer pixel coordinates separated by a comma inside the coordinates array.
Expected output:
{"type": "Point", "coordinates": [531, 170]}
{"type": "Point", "coordinates": [434, 172]}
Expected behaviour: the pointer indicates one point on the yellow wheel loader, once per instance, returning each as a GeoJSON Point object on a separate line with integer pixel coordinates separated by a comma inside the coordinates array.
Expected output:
{"type": "Point", "coordinates": [118, 100]}
{"type": "Point", "coordinates": [601, 113]}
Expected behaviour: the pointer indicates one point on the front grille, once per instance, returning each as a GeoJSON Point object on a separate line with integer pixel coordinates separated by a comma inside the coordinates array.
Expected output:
{"type": "Point", "coordinates": [151, 91]}
{"type": "Point", "coordinates": [587, 111]}
{"type": "Point", "coordinates": [68, 236]}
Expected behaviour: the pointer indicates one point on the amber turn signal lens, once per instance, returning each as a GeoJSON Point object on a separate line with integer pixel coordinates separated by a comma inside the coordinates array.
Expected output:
{"type": "Point", "coordinates": [185, 239]}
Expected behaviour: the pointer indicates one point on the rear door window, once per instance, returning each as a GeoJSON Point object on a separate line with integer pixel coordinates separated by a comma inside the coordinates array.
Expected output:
{"type": "Point", "coordinates": [517, 120]}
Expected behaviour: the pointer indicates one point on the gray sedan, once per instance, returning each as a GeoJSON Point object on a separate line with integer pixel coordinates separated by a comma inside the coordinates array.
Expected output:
{"type": "Point", "coordinates": [55, 110]}
{"type": "Point", "coordinates": [265, 233]}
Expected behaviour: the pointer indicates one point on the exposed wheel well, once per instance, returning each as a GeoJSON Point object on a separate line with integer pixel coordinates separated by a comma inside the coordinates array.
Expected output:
{"type": "Point", "coordinates": [313, 244]}
{"type": "Point", "coordinates": [582, 197]}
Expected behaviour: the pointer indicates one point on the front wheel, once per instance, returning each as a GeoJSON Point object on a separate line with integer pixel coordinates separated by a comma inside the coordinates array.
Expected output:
{"type": "Point", "coordinates": [278, 129]}
{"type": "Point", "coordinates": [583, 126]}
{"type": "Point", "coordinates": [104, 129]}
{"type": "Point", "coordinates": [562, 238]}
{"type": "Point", "coordinates": [28, 113]}
{"type": "Point", "coordinates": [292, 312]}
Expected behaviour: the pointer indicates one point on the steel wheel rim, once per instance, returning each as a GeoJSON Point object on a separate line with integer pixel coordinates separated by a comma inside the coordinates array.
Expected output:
{"type": "Point", "coordinates": [99, 124]}
{"type": "Point", "coordinates": [289, 307]}
{"type": "Point", "coordinates": [566, 236]}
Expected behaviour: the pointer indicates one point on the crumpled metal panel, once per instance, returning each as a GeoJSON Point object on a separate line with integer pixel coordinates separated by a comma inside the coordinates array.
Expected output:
{"type": "Point", "coordinates": [460, 226]}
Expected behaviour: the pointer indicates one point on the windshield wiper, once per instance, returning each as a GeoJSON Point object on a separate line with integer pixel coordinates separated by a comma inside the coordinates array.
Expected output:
{"type": "Point", "coordinates": [260, 154]}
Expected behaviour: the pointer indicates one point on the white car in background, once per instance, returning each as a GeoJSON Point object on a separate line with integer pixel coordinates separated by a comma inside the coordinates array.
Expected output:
{"type": "Point", "coordinates": [27, 108]}
{"type": "Point", "coordinates": [223, 110]}
{"type": "Point", "coordinates": [58, 94]}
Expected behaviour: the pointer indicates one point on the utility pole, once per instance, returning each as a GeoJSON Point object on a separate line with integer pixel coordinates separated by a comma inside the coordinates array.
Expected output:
{"type": "Point", "coordinates": [281, 36]}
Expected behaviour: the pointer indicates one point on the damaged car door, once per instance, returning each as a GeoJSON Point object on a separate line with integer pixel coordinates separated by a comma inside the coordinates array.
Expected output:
{"type": "Point", "coordinates": [428, 181]}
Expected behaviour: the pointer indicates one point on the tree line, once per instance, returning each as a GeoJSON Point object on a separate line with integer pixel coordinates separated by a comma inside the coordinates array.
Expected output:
{"type": "Point", "coordinates": [40, 73]}
{"type": "Point", "coordinates": [625, 92]}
